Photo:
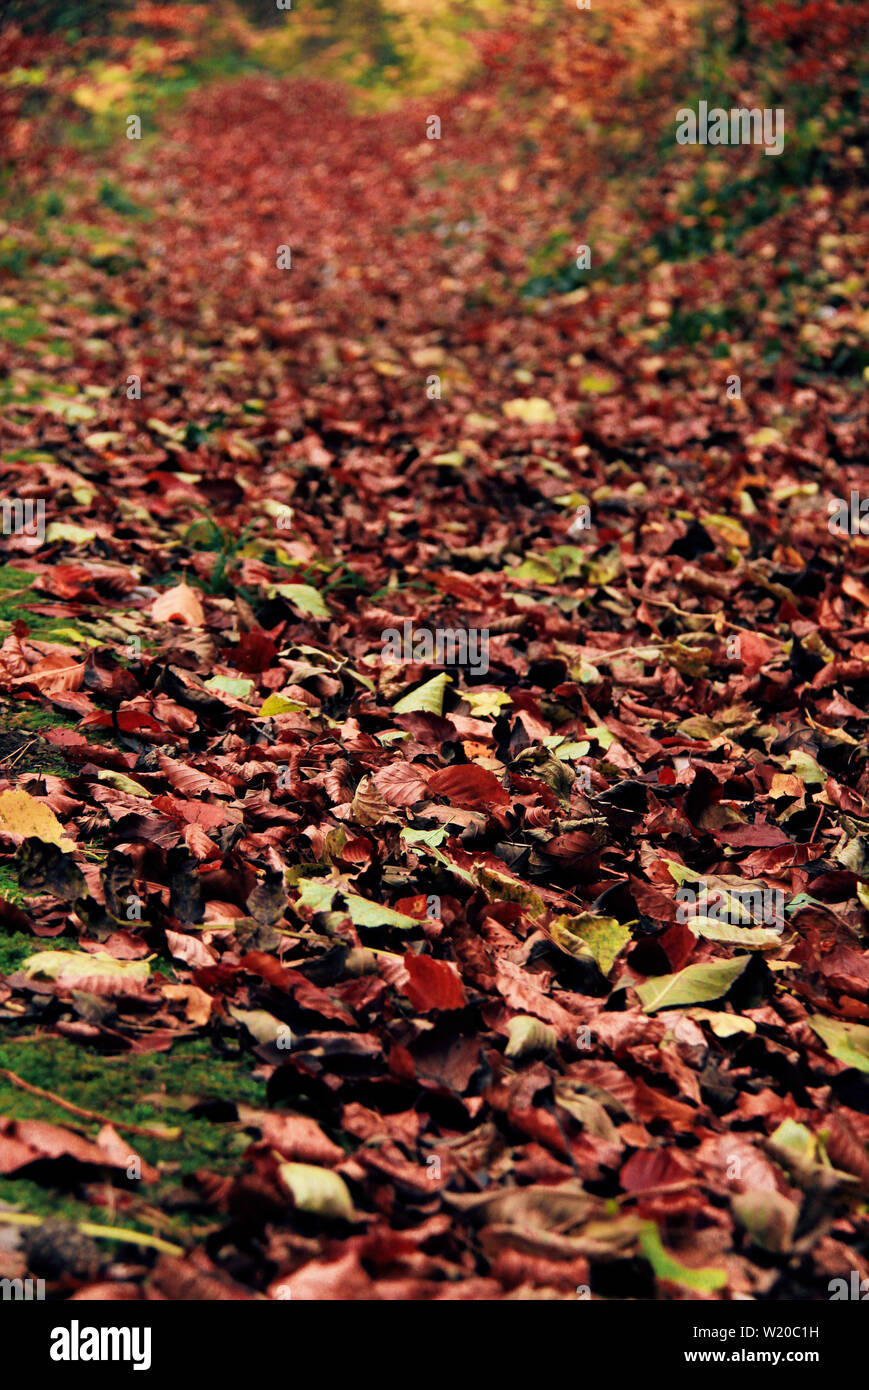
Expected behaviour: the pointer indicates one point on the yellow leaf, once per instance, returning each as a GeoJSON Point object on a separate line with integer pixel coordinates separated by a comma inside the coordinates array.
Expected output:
{"type": "Point", "coordinates": [428, 698]}
{"type": "Point", "coordinates": [598, 384]}
{"type": "Point", "coordinates": [110, 85]}
{"type": "Point", "coordinates": [66, 531]}
{"type": "Point", "coordinates": [587, 933]}
{"type": "Point", "coordinates": [22, 814]}
{"type": "Point", "coordinates": [763, 437]}
{"type": "Point", "coordinates": [98, 973]}
{"type": "Point", "coordinates": [486, 704]}
{"type": "Point", "coordinates": [730, 531]}
{"type": "Point", "coordinates": [534, 411]}
{"type": "Point", "coordinates": [318, 1190]}
{"type": "Point", "coordinates": [276, 704]}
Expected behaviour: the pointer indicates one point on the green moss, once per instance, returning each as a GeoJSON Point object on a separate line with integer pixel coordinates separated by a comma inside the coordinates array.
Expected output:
{"type": "Point", "coordinates": [17, 600]}
{"type": "Point", "coordinates": [144, 1088]}
{"type": "Point", "coordinates": [21, 746]}
{"type": "Point", "coordinates": [10, 577]}
{"type": "Point", "coordinates": [16, 946]}
{"type": "Point", "coordinates": [148, 1089]}
{"type": "Point", "coordinates": [12, 893]}
{"type": "Point", "coordinates": [14, 594]}
{"type": "Point", "coordinates": [34, 718]}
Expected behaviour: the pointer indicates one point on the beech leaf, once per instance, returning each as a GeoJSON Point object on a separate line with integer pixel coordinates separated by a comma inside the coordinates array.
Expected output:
{"type": "Point", "coordinates": [693, 985]}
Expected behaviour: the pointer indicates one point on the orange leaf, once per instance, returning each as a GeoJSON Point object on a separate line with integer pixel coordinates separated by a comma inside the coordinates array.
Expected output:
{"type": "Point", "coordinates": [179, 604]}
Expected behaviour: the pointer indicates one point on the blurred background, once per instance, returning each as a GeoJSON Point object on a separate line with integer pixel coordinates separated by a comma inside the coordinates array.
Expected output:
{"type": "Point", "coordinates": [594, 90]}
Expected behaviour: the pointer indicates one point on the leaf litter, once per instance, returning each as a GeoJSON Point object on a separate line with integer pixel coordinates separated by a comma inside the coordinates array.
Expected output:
{"type": "Point", "coordinates": [432, 916]}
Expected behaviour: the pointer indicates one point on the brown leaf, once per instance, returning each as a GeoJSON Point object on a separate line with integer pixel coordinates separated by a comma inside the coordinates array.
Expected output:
{"type": "Point", "coordinates": [468, 786]}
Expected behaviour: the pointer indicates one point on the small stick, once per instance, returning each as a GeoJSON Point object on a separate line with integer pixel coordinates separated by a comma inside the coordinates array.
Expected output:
{"type": "Point", "coordinates": [686, 613]}
{"type": "Point", "coordinates": [817, 823]}
{"type": "Point", "coordinates": [21, 751]}
{"type": "Point", "coordinates": [651, 648]}
{"type": "Point", "coordinates": [148, 1131]}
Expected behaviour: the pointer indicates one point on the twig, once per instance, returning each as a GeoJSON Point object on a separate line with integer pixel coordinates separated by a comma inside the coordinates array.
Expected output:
{"type": "Point", "coordinates": [644, 653]}
{"type": "Point", "coordinates": [710, 617]}
{"type": "Point", "coordinates": [21, 751]}
{"type": "Point", "coordinates": [148, 1131]}
{"type": "Point", "coordinates": [817, 823]}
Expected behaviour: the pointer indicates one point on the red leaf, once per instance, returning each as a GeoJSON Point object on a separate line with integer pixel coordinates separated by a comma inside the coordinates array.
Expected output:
{"type": "Point", "coordinates": [400, 784]}
{"type": "Point", "coordinates": [471, 787]}
{"type": "Point", "coordinates": [298, 1138]}
{"type": "Point", "coordinates": [433, 984]}
{"type": "Point", "coordinates": [254, 653]}
{"type": "Point", "coordinates": [652, 1168]}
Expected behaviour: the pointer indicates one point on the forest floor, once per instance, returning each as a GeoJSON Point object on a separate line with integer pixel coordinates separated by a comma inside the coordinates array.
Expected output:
{"type": "Point", "coordinates": [368, 970]}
